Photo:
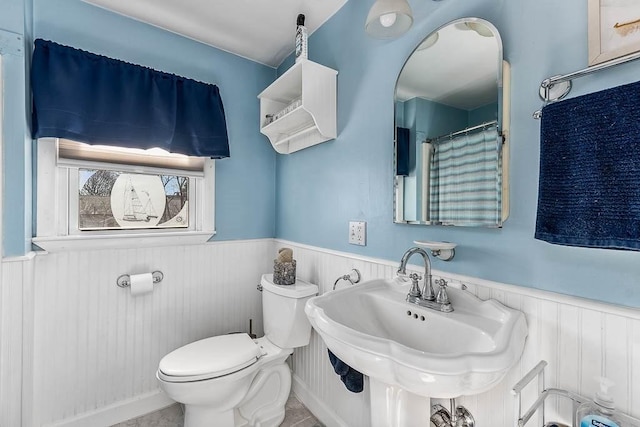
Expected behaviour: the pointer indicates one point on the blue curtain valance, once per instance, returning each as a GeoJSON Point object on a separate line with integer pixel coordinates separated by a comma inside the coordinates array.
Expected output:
{"type": "Point", "coordinates": [98, 100]}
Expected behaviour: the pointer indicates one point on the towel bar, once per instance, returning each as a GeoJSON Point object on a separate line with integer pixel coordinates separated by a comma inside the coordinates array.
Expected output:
{"type": "Point", "coordinates": [353, 277]}
{"type": "Point", "coordinates": [557, 87]}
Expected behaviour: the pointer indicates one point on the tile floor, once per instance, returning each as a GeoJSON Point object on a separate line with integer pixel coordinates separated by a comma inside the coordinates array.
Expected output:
{"type": "Point", "coordinates": [296, 415]}
{"type": "Point", "coordinates": [167, 417]}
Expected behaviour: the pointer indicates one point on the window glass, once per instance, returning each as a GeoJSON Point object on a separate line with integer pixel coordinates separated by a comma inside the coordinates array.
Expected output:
{"type": "Point", "coordinates": [109, 199]}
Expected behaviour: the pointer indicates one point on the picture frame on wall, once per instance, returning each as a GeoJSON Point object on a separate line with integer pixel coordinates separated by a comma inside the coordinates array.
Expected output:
{"type": "Point", "coordinates": [614, 29]}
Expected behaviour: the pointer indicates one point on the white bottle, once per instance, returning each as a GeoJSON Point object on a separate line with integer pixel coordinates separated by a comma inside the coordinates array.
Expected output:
{"type": "Point", "coordinates": [601, 412]}
{"type": "Point", "coordinates": [301, 39]}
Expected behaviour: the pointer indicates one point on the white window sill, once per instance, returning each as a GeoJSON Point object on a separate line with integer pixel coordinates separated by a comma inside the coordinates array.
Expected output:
{"type": "Point", "coordinates": [87, 242]}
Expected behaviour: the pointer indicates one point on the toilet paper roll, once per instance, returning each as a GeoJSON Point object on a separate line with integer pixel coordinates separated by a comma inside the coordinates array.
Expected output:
{"type": "Point", "coordinates": [141, 283]}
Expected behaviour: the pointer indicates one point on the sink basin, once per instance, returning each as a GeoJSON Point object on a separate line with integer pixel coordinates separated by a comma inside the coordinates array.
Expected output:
{"type": "Point", "coordinates": [420, 350]}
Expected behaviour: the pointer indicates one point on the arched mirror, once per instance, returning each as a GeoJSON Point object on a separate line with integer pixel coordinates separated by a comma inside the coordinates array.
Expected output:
{"type": "Point", "coordinates": [451, 122]}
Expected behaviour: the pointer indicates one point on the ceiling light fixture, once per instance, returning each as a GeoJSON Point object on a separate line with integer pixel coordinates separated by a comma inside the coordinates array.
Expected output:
{"type": "Point", "coordinates": [389, 19]}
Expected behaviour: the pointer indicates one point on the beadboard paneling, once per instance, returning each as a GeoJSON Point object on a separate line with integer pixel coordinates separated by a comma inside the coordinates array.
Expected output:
{"type": "Point", "coordinates": [73, 343]}
{"type": "Point", "coordinates": [579, 338]}
{"type": "Point", "coordinates": [95, 345]}
{"type": "Point", "coordinates": [311, 364]}
{"type": "Point", "coordinates": [11, 343]}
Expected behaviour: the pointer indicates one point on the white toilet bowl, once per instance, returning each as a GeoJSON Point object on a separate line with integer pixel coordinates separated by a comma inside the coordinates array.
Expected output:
{"type": "Point", "coordinates": [254, 394]}
{"type": "Point", "coordinates": [233, 380]}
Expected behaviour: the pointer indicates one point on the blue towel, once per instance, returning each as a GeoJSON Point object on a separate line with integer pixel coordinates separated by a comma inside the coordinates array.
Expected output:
{"type": "Point", "coordinates": [352, 379]}
{"type": "Point", "coordinates": [589, 188]}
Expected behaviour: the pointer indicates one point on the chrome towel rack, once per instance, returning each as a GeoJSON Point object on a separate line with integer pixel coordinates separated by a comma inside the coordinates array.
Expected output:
{"type": "Point", "coordinates": [557, 87]}
{"type": "Point", "coordinates": [353, 277]}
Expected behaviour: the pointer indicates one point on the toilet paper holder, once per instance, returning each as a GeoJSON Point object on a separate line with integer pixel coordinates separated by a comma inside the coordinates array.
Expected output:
{"type": "Point", "coordinates": [124, 281]}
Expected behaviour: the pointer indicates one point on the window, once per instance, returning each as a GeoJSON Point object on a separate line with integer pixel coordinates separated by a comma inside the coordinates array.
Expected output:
{"type": "Point", "coordinates": [113, 200]}
{"type": "Point", "coordinates": [117, 197]}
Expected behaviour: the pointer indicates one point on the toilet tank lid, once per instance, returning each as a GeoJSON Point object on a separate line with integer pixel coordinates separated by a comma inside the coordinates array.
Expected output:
{"type": "Point", "coordinates": [222, 354]}
{"type": "Point", "coordinates": [300, 289]}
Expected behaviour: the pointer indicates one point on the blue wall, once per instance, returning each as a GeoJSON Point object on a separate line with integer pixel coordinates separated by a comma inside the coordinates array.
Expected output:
{"type": "Point", "coordinates": [245, 182]}
{"type": "Point", "coordinates": [318, 190]}
{"type": "Point", "coordinates": [16, 142]}
{"type": "Point", "coordinates": [483, 114]}
{"type": "Point", "coordinates": [435, 119]}
{"type": "Point", "coordinates": [12, 16]}
{"type": "Point", "coordinates": [350, 178]}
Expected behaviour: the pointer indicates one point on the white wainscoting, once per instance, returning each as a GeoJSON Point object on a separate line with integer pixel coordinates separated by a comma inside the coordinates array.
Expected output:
{"type": "Point", "coordinates": [95, 348]}
{"type": "Point", "coordinates": [13, 315]}
{"type": "Point", "coordinates": [579, 338]}
{"type": "Point", "coordinates": [77, 350]}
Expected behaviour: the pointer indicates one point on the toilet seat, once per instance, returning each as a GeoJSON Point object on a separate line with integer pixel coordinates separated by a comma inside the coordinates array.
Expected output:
{"type": "Point", "coordinates": [209, 358]}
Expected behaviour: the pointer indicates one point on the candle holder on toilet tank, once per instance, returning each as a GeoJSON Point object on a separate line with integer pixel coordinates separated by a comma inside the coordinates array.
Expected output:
{"type": "Point", "coordinates": [284, 268]}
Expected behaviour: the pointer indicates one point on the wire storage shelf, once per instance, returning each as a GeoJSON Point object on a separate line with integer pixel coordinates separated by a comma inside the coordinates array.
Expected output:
{"type": "Point", "coordinates": [539, 404]}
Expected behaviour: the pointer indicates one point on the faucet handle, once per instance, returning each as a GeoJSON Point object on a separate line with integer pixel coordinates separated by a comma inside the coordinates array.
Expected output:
{"type": "Point", "coordinates": [442, 297]}
{"type": "Point", "coordinates": [415, 289]}
{"type": "Point", "coordinates": [415, 276]}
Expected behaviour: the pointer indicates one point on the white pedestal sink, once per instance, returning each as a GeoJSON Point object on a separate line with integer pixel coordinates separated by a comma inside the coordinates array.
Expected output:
{"type": "Point", "coordinates": [411, 353]}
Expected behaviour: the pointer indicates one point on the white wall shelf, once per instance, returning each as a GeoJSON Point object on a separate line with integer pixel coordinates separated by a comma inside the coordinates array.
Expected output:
{"type": "Point", "coordinates": [311, 123]}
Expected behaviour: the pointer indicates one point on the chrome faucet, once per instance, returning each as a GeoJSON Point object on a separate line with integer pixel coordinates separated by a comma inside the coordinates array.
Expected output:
{"type": "Point", "coordinates": [425, 297]}
{"type": "Point", "coordinates": [427, 292]}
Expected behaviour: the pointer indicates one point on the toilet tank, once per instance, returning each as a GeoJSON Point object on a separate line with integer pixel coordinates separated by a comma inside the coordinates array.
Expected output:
{"type": "Point", "coordinates": [285, 323]}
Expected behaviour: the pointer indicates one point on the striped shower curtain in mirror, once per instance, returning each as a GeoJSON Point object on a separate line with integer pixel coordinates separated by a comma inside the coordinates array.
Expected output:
{"type": "Point", "coordinates": [463, 185]}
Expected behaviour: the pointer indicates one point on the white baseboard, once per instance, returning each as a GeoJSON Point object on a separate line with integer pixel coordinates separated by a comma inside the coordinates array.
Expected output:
{"type": "Point", "coordinates": [321, 411]}
{"type": "Point", "coordinates": [119, 412]}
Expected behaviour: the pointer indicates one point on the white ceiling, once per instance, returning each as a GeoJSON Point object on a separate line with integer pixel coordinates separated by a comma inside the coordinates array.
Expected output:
{"type": "Point", "coordinates": [459, 70]}
{"type": "Point", "coordinates": [261, 30]}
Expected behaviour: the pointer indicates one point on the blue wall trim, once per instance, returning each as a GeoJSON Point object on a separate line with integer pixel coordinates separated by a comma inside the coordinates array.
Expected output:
{"type": "Point", "coordinates": [11, 43]}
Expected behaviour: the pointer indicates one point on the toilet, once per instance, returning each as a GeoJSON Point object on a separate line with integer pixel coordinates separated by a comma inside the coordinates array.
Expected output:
{"type": "Point", "coordinates": [234, 380]}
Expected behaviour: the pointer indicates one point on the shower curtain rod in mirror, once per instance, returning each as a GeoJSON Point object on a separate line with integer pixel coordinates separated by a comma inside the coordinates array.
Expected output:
{"type": "Point", "coordinates": [463, 131]}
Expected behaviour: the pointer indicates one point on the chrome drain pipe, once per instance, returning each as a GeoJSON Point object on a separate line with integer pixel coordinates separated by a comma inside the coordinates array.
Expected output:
{"type": "Point", "coordinates": [460, 417]}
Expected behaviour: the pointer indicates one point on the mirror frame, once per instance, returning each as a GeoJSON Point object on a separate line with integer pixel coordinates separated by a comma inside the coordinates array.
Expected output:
{"type": "Point", "coordinates": [503, 124]}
